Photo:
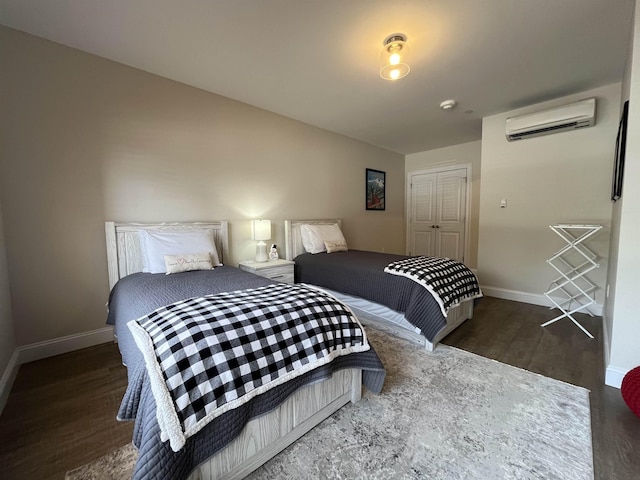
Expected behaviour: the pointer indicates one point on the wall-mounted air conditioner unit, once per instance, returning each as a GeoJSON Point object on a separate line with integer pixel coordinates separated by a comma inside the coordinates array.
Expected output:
{"type": "Point", "coordinates": [568, 117]}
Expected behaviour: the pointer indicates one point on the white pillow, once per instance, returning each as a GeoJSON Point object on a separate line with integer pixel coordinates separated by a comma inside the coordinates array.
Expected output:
{"type": "Point", "coordinates": [314, 236]}
{"type": "Point", "coordinates": [187, 262]}
{"type": "Point", "coordinates": [155, 244]}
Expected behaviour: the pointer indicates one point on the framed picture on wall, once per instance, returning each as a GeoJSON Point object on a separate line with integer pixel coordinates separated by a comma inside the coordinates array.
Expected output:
{"type": "Point", "coordinates": [375, 186]}
{"type": "Point", "coordinates": [621, 147]}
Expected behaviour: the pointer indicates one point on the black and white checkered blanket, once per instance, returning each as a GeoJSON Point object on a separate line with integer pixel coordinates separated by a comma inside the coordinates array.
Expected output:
{"type": "Point", "coordinates": [207, 355]}
{"type": "Point", "coordinates": [449, 281]}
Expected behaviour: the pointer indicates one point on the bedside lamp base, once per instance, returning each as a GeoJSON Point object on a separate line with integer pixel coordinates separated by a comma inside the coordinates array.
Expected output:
{"type": "Point", "coordinates": [261, 252]}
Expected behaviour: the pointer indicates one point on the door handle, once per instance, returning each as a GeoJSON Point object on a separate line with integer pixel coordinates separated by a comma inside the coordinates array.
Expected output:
{"type": "Point", "coordinates": [437, 226]}
{"type": "Point", "coordinates": [433, 226]}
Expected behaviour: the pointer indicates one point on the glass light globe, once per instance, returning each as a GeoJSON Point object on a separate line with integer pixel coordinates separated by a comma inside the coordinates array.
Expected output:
{"type": "Point", "coordinates": [393, 58]}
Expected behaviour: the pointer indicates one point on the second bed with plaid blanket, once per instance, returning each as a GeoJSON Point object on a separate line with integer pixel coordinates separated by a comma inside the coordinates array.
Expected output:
{"type": "Point", "coordinates": [210, 354]}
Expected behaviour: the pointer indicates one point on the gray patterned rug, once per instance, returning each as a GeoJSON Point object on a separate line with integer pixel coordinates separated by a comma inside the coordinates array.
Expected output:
{"type": "Point", "coordinates": [448, 414]}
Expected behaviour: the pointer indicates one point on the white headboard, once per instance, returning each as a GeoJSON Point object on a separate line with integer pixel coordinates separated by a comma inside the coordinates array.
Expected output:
{"type": "Point", "coordinates": [123, 245]}
{"type": "Point", "coordinates": [292, 238]}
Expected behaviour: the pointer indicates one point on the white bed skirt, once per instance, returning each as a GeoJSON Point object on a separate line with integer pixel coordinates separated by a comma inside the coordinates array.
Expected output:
{"type": "Point", "coordinates": [388, 320]}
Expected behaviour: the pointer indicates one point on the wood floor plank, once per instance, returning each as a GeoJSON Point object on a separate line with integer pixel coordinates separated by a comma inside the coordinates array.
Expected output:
{"type": "Point", "coordinates": [61, 414]}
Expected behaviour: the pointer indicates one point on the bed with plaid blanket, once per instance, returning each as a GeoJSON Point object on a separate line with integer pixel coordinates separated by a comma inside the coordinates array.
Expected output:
{"type": "Point", "coordinates": [208, 355]}
{"type": "Point", "coordinates": [449, 281]}
{"type": "Point", "coordinates": [361, 274]}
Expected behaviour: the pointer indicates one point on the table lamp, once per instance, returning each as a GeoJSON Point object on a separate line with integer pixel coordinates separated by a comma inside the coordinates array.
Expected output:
{"type": "Point", "coordinates": [261, 230]}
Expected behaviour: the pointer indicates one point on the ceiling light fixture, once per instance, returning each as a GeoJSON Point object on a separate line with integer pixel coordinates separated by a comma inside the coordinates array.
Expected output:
{"type": "Point", "coordinates": [393, 59]}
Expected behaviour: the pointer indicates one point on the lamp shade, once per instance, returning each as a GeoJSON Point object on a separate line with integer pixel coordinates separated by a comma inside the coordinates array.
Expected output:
{"type": "Point", "coordinates": [261, 229]}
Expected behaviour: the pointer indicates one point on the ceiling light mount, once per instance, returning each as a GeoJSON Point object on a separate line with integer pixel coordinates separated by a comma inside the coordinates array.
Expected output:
{"type": "Point", "coordinates": [393, 58]}
{"type": "Point", "coordinates": [394, 37]}
{"type": "Point", "coordinates": [448, 104]}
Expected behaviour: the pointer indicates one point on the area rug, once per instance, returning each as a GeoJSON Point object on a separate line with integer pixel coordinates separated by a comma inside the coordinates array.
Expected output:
{"type": "Point", "coordinates": [446, 414]}
{"type": "Point", "coordinates": [117, 465]}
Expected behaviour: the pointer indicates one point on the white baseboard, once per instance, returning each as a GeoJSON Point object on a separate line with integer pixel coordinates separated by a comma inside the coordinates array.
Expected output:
{"type": "Point", "coordinates": [8, 377]}
{"type": "Point", "coordinates": [532, 298]}
{"type": "Point", "coordinates": [614, 375]}
{"type": "Point", "coordinates": [48, 348]}
{"type": "Point", "coordinates": [57, 346]}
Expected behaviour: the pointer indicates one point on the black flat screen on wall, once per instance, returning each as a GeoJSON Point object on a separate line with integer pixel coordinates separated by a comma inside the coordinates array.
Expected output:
{"type": "Point", "coordinates": [621, 146]}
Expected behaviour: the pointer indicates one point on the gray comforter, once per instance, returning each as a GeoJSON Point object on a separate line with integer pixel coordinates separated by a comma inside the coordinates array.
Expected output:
{"type": "Point", "coordinates": [139, 294]}
{"type": "Point", "coordinates": [362, 274]}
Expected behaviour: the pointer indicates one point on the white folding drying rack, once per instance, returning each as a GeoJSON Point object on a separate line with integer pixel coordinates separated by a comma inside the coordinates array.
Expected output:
{"type": "Point", "coordinates": [572, 291]}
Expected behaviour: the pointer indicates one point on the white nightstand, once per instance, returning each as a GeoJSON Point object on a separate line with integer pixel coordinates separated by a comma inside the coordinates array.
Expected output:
{"type": "Point", "coordinates": [281, 270]}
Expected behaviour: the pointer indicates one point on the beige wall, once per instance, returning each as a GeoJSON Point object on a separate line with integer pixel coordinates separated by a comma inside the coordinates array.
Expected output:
{"type": "Point", "coordinates": [560, 178]}
{"type": "Point", "coordinates": [84, 140]}
{"type": "Point", "coordinates": [465, 153]}
{"type": "Point", "coordinates": [621, 316]}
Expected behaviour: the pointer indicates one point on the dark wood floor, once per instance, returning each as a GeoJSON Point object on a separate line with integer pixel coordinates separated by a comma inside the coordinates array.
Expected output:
{"type": "Point", "coordinates": [61, 414]}
{"type": "Point", "coordinates": [61, 411]}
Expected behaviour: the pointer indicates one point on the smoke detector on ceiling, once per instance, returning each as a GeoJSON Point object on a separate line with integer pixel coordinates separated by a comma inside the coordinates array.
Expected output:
{"type": "Point", "coordinates": [448, 104]}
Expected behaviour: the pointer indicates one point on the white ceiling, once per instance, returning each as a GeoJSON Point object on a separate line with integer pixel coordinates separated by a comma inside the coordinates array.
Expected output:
{"type": "Point", "coordinates": [317, 60]}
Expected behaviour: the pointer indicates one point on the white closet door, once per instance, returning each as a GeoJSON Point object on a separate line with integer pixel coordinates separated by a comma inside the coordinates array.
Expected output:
{"type": "Point", "coordinates": [450, 216]}
{"type": "Point", "coordinates": [422, 214]}
{"type": "Point", "coordinates": [437, 213]}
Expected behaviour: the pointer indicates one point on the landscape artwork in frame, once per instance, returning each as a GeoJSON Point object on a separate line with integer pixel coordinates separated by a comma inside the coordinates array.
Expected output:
{"type": "Point", "coordinates": [375, 189]}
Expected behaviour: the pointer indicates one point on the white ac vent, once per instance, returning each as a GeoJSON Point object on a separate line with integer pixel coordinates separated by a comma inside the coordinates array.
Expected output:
{"type": "Point", "coordinates": [568, 117]}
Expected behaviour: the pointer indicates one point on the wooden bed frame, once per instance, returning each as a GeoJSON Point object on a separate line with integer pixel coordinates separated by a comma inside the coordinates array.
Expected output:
{"type": "Point", "coordinates": [455, 317]}
{"type": "Point", "coordinates": [265, 436]}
